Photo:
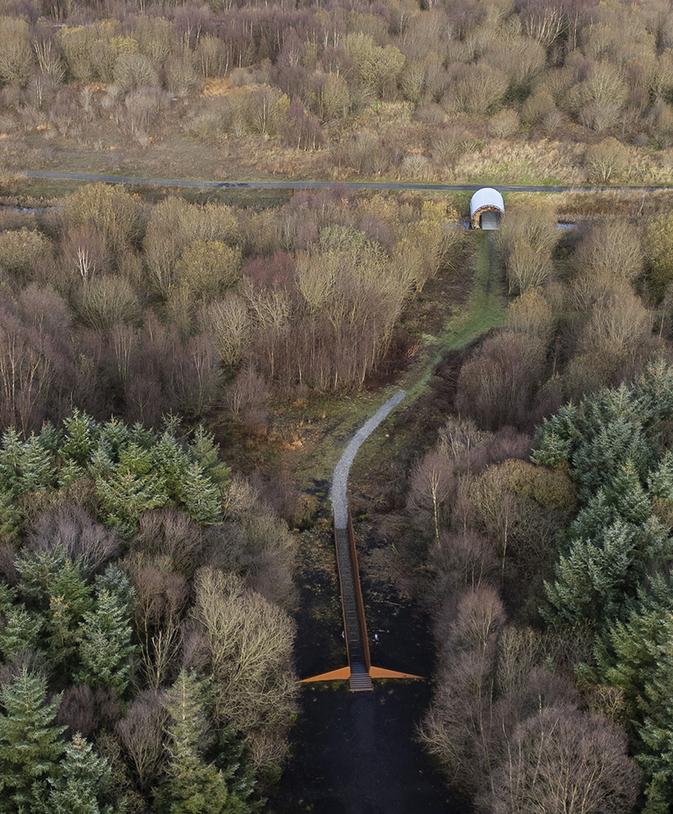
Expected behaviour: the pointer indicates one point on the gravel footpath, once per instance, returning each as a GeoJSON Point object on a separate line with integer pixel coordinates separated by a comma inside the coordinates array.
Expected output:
{"type": "Point", "coordinates": [339, 488]}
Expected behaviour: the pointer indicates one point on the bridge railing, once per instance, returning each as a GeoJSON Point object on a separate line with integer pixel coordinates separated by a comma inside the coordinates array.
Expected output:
{"type": "Point", "coordinates": [359, 599]}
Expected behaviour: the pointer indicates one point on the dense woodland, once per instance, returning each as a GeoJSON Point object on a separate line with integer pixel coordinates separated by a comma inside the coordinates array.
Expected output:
{"type": "Point", "coordinates": [511, 89]}
{"type": "Point", "coordinates": [145, 594]}
{"type": "Point", "coordinates": [147, 644]}
{"type": "Point", "coordinates": [146, 648]}
{"type": "Point", "coordinates": [545, 511]}
{"type": "Point", "coordinates": [146, 590]}
{"type": "Point", "coordinates": [145, 310]}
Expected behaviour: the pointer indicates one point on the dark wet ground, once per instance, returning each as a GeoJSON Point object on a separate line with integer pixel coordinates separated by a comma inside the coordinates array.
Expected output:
{"type": "Point", "coordinates": [356, 754]}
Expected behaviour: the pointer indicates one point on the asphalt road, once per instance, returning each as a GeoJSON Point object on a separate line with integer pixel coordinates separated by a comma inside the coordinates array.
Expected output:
{"type": "Point", "coordinates": [395, 186]}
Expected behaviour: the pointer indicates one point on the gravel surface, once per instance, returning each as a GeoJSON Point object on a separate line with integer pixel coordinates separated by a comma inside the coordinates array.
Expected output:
{"type": "Point", "coordinates": [339, 488]}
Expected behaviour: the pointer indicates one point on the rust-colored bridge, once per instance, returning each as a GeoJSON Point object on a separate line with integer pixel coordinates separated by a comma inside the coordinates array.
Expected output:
{"type": "Point", "coordinates": [359, 672]}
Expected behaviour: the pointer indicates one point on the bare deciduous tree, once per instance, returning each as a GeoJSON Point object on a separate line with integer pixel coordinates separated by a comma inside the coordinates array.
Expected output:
{"type": "Point", "coordinates": [72, 530]}
{"type": "Point", "coordinates": [141, 734]}
{"type": "Point", "coordinates": [563, 761]}
{"type": "Point", "coordinates": [432, 483]}
{"type": "Point", "coordinates": [250, 652]}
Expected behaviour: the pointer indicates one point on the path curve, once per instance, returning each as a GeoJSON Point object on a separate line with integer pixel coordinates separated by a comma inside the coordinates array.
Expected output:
{"type": "Point", "coordinates": [339, 488]}
{"type": "Point", "coordinates": [292, 184]}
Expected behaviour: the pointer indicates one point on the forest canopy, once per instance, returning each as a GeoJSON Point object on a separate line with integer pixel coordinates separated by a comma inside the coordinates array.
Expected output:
{"type": "Point", "coordinates": [112, 304]}
{"type": "Point", "coordinates": [510, 89]}
{"type": "Point", "coordinates": [146, 649]}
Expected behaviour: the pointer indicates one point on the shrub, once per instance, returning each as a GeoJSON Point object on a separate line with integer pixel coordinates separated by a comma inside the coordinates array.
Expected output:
{"type": "Point", "coordinates": [133, 71]}
{"type": "Point", "coordinates": [24, 253]}
{"type": "Point", "coordinates": [606, 161]}
{"type": "Point", "coordinates": [16, 59]}
{"type": "Point", "coordinates": [107, 301]}
{"type": "Point", "coordinates": [209, 267]}
{"type": "Point", "coordinates": [114, 212]}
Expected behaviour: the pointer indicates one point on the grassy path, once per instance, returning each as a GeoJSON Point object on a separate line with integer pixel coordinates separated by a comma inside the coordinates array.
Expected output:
{"type": "Point", "coordinates": [485, 310]}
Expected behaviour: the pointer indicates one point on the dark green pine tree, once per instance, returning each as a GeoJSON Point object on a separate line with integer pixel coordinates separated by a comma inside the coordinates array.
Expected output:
{"type": "Point", "coordinates": [30, 744]}
{"type": "Point", "coordinates": [172, 461]}
{"type": "Point", "coordinates": [38, 467]}
{"type": "Point", "coordinates": [57, 586]}
{"type": "Point", "coordinates": [192, 785]}
{"type": "Point", "coordinates": [81, 433]}
{"type": "Point", "coordinates": [69, 473]}
{"type": "Point", "coordinates": [114, 435]}
{"type": "Point", "coordinates": [200, 496]}
{"type": "Point", "coordinates": [660, 481]}
{"type": "Point", "coordinates": [11, 517]}
{"type": "Point", "coordinates": [105, 640]}
{"type": "Point", "coordinates": [229, 753]}
{"type": "Point", "coordinates": [11, 451]}
{"type": "Point", "coordinates": [627, 495]}
{"type": "Point", "coordinates": [142, 435]}
{"type": "Point", "coordinates": [206, 453]}
{"type": "Point", "coordinates": [50, 438]}
{"type": "Point", "coordinates": [591, 577]}
{"type": "Point", "coordinates": [125, 493]}
{"type": "Point", "coordinates": [557, 437]}
{"type": "Point", "coordinates": [656, 731]}
{"type": "Point", "coordinates": [654, 390]}
{"type": "Point", "coordinates": [69, 600]}
{"type": "Point", "coordinates": [20, 631]}
{"type": "Point", "coordinates": [84, 785]}
{"type": "Point", "coordinates": [601, 455]}
{"type": "Point", "coordinates": [597, 515]}
{"type": "Point", "coordinates": [628, 653]}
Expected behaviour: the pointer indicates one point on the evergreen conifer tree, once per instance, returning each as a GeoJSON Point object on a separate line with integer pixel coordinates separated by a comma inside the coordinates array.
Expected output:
{"type": "Point", "coordinates": [660, 481]}
{"type": "Point", "coordinates": [192, 785]}
{"type": "Point", "coordinates": [627, 495]}
{"type": "Point", "coordinates": [125, 494]}
{"type": "Point", "coordinates": [106, 647]}
{"type": "Point", "coordinates": [600, 456]}
{"type": "Point", "coordinates": [11, 452]}
{"type": "Point", "coordinates": [50, 438]}
{"type": "Point", "coordinates": [84, 785]}
{"type": "Point", "coordinates": [11, 517]}
{"type": "Point", "coordinates": [81, 433]}
{"type": "Point", "coordinates": [114, 435]}
{"type": "Point", "coordinates": [593, 518]}
{"type": "Point", "coordinates": [557, 437]}
{"type": "Point", "coordinates": [20, 631]}
{"type": "Point", "coordinates": [654, 390]}
{"type": "Point", "coordinates": [30, 745]}
{"type": "Point", "coordinates": [656, 731]}
{"type": "Point", "coordinates": [69, 600]}
{"type": "Point", "coordinates": [631, 646]}
{"type": "Point", "coordinates": [591, 578]}
{"type": "Point", "coordinates": [37, 466]}
{"type": "Point", "coordinates": [201, 497]}
{"type": "Point", "coordinates": [69, 473]}
{"type": "Point", "coordinates": [172, 461]}
{"type": "Point", "coordinates": [206, 453]}
{"type": "Point", "coordinates": [115, 580]}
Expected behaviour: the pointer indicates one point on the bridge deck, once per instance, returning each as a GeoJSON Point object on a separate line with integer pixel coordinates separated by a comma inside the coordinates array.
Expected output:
{"type": "Point", "coordinates": [355, 629]}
